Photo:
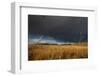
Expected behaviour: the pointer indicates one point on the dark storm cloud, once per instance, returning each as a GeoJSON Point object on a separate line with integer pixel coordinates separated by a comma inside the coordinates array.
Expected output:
{"type": "Point", "coordinates": [61, 27]}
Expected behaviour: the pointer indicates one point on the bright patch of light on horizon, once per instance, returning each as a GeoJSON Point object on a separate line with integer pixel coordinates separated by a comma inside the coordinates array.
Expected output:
{"type": "Point", "coordinates": [33, 41]}
{"type": "Point", "coordinates": [42, 40]}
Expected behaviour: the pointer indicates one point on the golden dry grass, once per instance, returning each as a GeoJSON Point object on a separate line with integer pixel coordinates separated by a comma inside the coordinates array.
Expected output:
{"type": "Point", "coordinates": [51, 52]}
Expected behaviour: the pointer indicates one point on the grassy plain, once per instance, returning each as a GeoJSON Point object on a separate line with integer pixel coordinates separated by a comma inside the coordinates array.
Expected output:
{"type": "Point", "coordinates": [52, 52]}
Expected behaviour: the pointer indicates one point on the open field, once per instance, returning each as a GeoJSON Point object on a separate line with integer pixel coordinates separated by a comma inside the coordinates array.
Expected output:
{"type": "Point", "coordinates": [51, 52]}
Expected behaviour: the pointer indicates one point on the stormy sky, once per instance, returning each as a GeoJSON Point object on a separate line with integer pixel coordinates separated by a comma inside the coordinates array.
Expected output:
{"type": "Point", "coordinates": [65, 28]}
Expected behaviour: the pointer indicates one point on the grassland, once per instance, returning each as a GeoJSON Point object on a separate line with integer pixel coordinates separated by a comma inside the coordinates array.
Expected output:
{"type": "Point", "coordinates": [52, 52]}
